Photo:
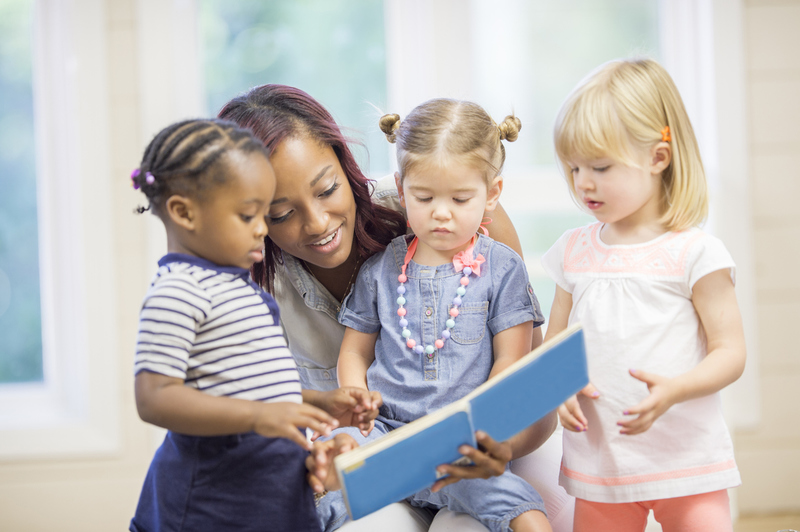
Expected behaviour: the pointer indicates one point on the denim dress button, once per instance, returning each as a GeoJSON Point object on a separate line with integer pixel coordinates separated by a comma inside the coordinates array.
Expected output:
{"type": "Point", "coordinates": [428, 311]}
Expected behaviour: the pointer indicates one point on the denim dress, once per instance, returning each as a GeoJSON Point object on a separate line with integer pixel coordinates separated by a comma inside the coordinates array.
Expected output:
{"type": "Point", "coordinates": [413, 385]}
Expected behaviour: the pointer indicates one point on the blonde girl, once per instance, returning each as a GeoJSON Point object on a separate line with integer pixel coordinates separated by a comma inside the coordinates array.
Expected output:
{"type": "Point", "coordinates": [655, 295]}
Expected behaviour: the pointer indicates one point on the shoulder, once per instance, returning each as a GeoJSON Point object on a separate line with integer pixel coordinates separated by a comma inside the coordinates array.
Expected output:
{"type": "Point", "coordinates": [497, 252]}
{"type": "Point", "coordinates": [385, 193]}
{"type": "Point", "coordinates": [383, 262]}
{"type": "Point", "coordinates": [702, 254]}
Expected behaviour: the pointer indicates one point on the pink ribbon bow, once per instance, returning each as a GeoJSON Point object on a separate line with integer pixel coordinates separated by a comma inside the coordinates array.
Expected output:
{"type": "Point", "coordinates": [464, 258]}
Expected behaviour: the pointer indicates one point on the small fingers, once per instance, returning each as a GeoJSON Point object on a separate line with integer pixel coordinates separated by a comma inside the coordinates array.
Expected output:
{"type": "Point", "coordinates": [571, 416]}
{"type": "Point", "coordinates": [590, 391]}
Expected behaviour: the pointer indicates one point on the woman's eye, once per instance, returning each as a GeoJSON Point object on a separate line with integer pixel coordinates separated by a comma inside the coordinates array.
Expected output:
{"type": "Point", "coordinates": [278, 219]}
{"type": "Point", "coordinates": [331, 190]}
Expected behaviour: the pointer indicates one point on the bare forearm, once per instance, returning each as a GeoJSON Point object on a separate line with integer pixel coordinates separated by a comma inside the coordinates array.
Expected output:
{"type": "Point", "coordinates": [352, 370]}
{"type": "Point", "coordinates": [179, 408]}
{"type": "Point", "coordinates": [534, 436]}
{"type": "Point", "coordinates": [718, 369]}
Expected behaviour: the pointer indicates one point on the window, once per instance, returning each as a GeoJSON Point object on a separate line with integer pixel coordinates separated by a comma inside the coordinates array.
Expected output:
{"type": "Point", "coordinates": [332, 49]}
{"type": "Point", "coordinates": [20, 315]}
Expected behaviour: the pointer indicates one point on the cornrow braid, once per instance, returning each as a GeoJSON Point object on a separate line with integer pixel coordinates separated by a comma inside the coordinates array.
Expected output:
{"type": "Point", "coordinates": [184, 158]}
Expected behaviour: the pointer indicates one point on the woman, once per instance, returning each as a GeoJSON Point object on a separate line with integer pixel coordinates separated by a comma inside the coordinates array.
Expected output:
{"type": "Point", "coordinates": [324, 221]}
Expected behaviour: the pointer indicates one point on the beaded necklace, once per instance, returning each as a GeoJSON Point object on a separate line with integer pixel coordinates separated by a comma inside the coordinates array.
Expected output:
{"type": "Point", "coordinates": [464, 262]}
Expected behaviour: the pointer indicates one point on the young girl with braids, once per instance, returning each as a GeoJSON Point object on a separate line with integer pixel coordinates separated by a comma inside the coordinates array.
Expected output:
{"type": "Point", "coordinates": [656, 299]}
{"type": "Point", "coordinates": [441, 311]}
{"type": "Point", "coordinates": [211, 362]}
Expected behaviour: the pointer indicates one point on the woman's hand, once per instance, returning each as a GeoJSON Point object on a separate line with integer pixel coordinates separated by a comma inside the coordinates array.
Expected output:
{"type": "Point", "coordinates": [321, 472]}
{"type": "Point", "coordinates": [352, 407]}
{"type": "Point", "coordinates": [663, 394]}
{"type": "Point", "coordinates": [490, 460]}
{"type": "Point", "coordinates": [570, 413]}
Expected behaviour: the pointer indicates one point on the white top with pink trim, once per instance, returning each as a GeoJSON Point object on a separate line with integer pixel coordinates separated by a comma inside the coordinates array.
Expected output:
{"type": "Point", "coordinates": [634, 302]}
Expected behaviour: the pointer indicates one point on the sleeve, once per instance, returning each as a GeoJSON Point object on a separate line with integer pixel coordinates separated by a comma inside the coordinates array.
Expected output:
{"type": "Point", "coordinates": [553, 262]}
{"type": "Point", "coordinates": [513, 301]}
{"type": "Point", "coordinates": [360, 307]}
{"type": "Point", "coordinates": [708, 254]}
{"type": "Point", "coordinates": [172, 311]}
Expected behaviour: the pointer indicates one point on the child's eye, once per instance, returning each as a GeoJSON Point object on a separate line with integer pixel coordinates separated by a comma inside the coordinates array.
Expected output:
{"type": "Point", "coordinates": [331, 190]}
{"type": "Point", "coordinates": [601, 168]}
{"type": "Point", "coordinates": [246, 218]}
{"type": "Point", "coordinates": [423, 200]}
{"type": "Point", "coordinates": [461, 200]}
{"type": "Point", "coordinates": [277, 219]}
{"type": "Point", "coordinates": [574, 170]}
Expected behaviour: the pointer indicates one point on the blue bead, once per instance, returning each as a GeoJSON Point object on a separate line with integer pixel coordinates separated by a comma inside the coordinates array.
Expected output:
{"type": "Point", "coordinates": [403, 323]}
{"type": "Point", "coordinates": [467, 271]}
{"type": "Point", "coordinates": [446, 334]}
{"type": "Point", "coordinates": [450, 323]}
{"type": "Point", "coordinates": [406, 333]}
{"type": "Point", "coordinates": [401, 289]}
{"type": "Point", "coordinates": [457, 301]}
{"type": "Point", "coordinates": [418, 349]}
{"type": "Point", "coordinates": [429, 349]}
{"type": "Point", "coordinates": [461, 290]}
{"type": "Point", "coordinates": [401, 300]}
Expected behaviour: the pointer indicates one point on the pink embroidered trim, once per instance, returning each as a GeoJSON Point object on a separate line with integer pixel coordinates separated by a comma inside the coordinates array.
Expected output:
{"type": "Point", "coordinates": [585, 253]}
{"type": "Point", "coordinates": [653, 477]}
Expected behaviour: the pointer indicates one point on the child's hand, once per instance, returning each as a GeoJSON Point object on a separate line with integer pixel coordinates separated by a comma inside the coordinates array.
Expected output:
{"type": "Point", "coordinates": [352, 407]}
{"type": "Point", "coordinates": [282, 420]}
{"type": "Point", "coordinates": [570, 413]}
{"type": "Point", "coordinates": [321, 472]}
{"type": "Point", "coordinates": [662, 396]}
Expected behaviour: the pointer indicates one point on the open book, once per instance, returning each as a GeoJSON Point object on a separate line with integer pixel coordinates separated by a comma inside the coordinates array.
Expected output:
{"type": "Point", "coordinates": [404, 461]}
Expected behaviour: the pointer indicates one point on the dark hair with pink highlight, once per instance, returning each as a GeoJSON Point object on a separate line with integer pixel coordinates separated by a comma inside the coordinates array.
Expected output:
{"type": "Point", "coordinates": [275, 113]}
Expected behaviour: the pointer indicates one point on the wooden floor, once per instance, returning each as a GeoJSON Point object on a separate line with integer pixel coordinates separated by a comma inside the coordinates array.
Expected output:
{"type": "Point", "coordinates": [767, 523]}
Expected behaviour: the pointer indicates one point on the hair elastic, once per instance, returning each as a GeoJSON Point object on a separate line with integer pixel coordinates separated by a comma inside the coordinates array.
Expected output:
{"type": "Point", "coordinates": [134, 175]}
{"type": "Point", "coordinates": [665, 136]}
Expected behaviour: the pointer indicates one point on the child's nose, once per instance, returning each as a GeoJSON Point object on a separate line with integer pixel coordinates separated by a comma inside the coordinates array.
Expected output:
{"type": "Point", "coordinates": [261, 228]}
{"type": "Point", "coordinates": [441, 211]}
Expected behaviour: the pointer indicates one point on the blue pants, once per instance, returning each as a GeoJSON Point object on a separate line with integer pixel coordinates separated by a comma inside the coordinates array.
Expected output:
{"type": "Point", "coordinates": [240, 482]}
{"type": "Point", "coordinates": [494, 501]}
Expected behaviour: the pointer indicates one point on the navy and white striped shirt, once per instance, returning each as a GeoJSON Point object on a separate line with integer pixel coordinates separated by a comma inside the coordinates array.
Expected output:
{"type": "Point", "coordinates": [213, 327]}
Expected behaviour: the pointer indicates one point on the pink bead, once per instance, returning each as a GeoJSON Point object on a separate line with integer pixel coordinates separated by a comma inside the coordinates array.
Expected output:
{"type": "Point", "coordinates": [402, 278]}
{"type": "Point", "coordinates": [464, 281]}
{"type": "Point", "coordinates": [411, 343]}
{"type": "Point", "coordinates": [453, 312]}
{"type": "Point", "coordinates": [401, 312]}
{"type": "Point", "coordinates": [439, 343]}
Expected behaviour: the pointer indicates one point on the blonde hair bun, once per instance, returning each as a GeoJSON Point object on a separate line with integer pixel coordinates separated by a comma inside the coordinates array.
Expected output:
{"type": "Point", "coordinates": [389, 124]}
{"type": "Point", "coordinates": [509, 128]}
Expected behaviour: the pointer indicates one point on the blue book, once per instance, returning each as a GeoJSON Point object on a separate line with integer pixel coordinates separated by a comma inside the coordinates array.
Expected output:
{"type": "Point", "coordinates": [404, 461]}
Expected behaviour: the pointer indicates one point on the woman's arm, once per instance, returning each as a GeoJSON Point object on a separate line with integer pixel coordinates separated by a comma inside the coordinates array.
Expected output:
{"type": "Point", "coordinates": [166, 402]}
{"type": "Point", "coordinates": [502, 230]}
{"type": "Point", "coordinates": [714, 299]}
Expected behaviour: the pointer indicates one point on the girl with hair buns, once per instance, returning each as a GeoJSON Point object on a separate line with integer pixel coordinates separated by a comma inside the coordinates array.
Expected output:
{"type": "Point", "coordinates": [655, 295]}
{"type": "Point", "coordinates": [325, 220]}
{"type": "Point", "coordinates": [439, 312]}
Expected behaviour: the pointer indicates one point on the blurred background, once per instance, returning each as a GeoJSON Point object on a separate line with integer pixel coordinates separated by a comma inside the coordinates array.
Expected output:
{"type": "Point", "coordinates": [85, 84]}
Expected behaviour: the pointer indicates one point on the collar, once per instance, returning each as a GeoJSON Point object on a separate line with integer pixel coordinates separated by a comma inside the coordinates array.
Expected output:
{"type": "Point", "coordinates": [202, 263]}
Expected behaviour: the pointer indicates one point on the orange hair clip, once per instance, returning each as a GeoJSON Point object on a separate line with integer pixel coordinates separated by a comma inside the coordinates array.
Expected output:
{"type": "Point", "coordinates": [665, 136]}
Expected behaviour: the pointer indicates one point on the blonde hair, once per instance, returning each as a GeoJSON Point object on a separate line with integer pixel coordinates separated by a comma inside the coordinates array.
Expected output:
{"type": "Point", "coordinates": [626, 104]}
{"type": "Point", "coordinates": [440, 129]}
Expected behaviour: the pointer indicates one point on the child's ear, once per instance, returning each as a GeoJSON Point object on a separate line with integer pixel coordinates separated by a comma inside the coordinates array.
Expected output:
{"type": "Point", "coordinates": [398, 181]}
{"type": "Point", "coordinates": [493, 196]}
{"type": "Point", "coordinates": [182, 211]}
{"type": "Point", "coordinates": [661, 156]}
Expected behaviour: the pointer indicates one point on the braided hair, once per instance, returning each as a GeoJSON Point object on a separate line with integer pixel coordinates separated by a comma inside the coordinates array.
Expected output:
{"type": "Point", "coordinates": [186, 158]}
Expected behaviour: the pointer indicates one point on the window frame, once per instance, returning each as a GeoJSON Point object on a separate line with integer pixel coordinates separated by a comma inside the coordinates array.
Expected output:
{"type": "Point", "coordinates": [75, 410]}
